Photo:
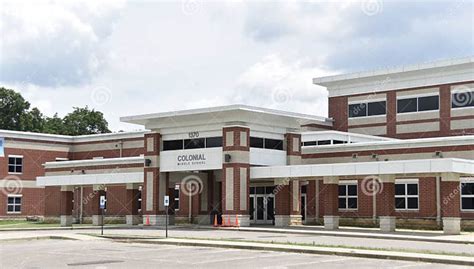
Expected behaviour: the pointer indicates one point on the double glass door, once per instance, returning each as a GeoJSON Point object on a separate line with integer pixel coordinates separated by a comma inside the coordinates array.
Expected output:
{"type": "Point", "coordinates": [262, 205]}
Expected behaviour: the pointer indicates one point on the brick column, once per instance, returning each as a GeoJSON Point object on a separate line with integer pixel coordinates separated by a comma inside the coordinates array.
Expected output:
{"type": "Point", "coordinates": [65, 211]}
{"type": "Point", "coordinates": [386, 202]}
{"type": "Point", "coordinates": [131, 204]}
{"type": "Point", "coordinates": [392, 114]}
{"type": "Point", "coordinates": [445, 110]}
{"type": "Point", "coordinates": [338, 110]}
{"type": "Point", "coordinates": [331, 203]}
{"type": "Point", "coordinates": [236, 174]}
{"type": "Point", "coordinates": [451, 203]}
{"type": "Point", "coordinates": [154, 185]}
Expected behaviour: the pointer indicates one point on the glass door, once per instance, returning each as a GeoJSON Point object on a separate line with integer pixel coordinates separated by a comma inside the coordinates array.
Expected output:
{"type": "Point", "coordinates": [270, 207]}
{"type": "Point", "coordinates": [260, 209]}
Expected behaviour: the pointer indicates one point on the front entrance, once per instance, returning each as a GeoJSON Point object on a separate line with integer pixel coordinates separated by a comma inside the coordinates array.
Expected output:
{"type": "Point", "coordinates": [262, 205]}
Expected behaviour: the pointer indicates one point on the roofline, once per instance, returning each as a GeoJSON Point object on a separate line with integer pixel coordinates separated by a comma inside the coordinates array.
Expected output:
{"type": "Point", "coordinates": [380, 138]}
{"type": "Point", "coordinates": [138, 118]}
{"type": "Point", "coordinates": [328, 80]}
{"type": "Point", "coordinates": [69, 138]}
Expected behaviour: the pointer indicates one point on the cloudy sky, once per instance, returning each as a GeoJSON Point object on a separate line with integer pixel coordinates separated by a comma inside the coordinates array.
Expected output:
{"type": "Point", "coordinates": [136, 57]}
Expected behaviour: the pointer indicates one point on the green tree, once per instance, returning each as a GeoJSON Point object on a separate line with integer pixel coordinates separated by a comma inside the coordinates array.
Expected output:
{"type": "Point", "coordinates": [84, 121]}
{"type": "Point", "coordinates": [54, 125]}
{"type": "Point", "coordinates": [32, 121]}
{"type": "Point", "coordinates": [13, 110]}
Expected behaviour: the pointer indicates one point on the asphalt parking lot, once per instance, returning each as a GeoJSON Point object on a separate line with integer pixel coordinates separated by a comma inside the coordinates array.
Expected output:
{"type": "Point", "coordinates": [101, 254]}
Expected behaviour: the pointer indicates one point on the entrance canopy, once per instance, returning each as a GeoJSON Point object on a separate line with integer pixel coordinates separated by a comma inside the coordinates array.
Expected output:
{"type": "Point", "coordinates": [404, 167]}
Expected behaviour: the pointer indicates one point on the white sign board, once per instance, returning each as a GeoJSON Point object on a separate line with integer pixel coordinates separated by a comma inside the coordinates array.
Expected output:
{"type": "Point", "coordinates": [102, 202]}
{"type": "Point", "coordinates": [166, 201]}
{"type": "Point", "coordinates": [191, 159]}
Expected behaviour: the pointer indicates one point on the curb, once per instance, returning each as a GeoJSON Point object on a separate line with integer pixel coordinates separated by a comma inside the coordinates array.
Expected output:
{"type": "Point", "coordinates": [355, 235]}
{"type": "Point", "coordinates": [46, 237]}
{"type": "Point", "coordinates": [374, 254]}
{"type": "Point", "coordinates": [61, 228]}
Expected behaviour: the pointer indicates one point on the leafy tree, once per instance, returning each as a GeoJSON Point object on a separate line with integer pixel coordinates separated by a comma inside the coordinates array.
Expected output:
{"type": "Point", "coordinates": [32, 121]}
{"type": "Point", "coordinates": [85, 121]}
{"type": "Point", "coordinates": [13, 110]}
{"type": "Point", "coordinates": [54, 125]}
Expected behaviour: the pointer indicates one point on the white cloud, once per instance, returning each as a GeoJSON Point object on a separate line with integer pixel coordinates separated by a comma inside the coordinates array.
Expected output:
{"type": "Point", "coordinates": [54, 43]}
{"type": "Point", "coordinates": [281, 84]}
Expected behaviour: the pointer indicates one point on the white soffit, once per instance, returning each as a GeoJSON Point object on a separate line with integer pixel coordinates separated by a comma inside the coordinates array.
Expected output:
{"type": "Point", "coordinates": [405, 167]}
{"type": "Point", "coordinates": [403, 77]}
{"type": "Point", "coordinates": [92, 179]}
{"type": "Point", "coordinates": [224, 114]}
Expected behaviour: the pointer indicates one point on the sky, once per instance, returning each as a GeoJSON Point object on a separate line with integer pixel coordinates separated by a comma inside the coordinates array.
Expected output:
{"type": "Point", "coordinates": [136, 57]}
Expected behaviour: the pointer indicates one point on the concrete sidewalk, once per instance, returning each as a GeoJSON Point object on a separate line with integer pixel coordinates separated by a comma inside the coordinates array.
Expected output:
{"type": "Point", "coordinates": [361, 253]}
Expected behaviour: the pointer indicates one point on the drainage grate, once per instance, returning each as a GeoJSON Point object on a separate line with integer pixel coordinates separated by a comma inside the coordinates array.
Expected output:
{"type": "Point", "coordinates": [94, 262]}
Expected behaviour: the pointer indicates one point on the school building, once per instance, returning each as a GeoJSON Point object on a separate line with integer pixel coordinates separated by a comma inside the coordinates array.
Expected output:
{"type": "Point", "coordinates": [397, 150]}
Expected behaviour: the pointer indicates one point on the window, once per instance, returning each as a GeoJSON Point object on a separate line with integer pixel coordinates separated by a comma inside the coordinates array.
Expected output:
{"type": "Point", "coordinates": [214, 142]}
{"type": "Point", "coordinates": [357, 110]}
{"type": "Point", "coordinates": [377, 108]}
{"type": "Point", "coordinates": [256, 142]}
{"type": "Point", "coordinates": [324, 142]}
{"type": "Point", "coordinates": [273, 144]}
{"type": "Point", "coordinates": [367, 109]}
{"type": "Point", "coordinates": [406, 195]}
{"type": "Point", "coordinates": [15, 164]}
{"type": "Point", "coordinates": [415, 104]}
{"type": "Point", "coordinates": [14, 204]}
{"type": "Point", "coordinates": [309, 143]}
{"type": "Point", "coordinates": [428, 103]}
{"type": "Point", "coordinates": [462, 99]}
{"type": "Point", "coordinates": [196, 143]}
{"type": "Point", "coordinates": [176, 197]}
{"type": "Point", "coordinates": [467, 195]}
{"type": "Point", "coordinates": [348, 196]}
{"type": "Point", "coordinates": [173, 145]}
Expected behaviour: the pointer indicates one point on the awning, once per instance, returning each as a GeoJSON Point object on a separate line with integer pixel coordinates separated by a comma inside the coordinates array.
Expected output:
{"type": "Point", "coordinates": [90, 179]}
{"type": "Point", "coordinates": [402, 167]}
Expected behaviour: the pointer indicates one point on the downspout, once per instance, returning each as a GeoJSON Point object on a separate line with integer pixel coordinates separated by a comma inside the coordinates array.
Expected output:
{"type": "Point", "coordinates": [190, 202]}
{"type": "Point", "coordinates": [438, 200]}
{"type": "Point", "coordinates": [317, 201]}
{"type": "Point", "coordinates": [121, 148]}
{"type": "Point", "coordinates": [81, 207]}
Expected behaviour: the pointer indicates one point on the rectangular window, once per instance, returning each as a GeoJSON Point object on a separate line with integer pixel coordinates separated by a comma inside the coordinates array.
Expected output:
{"type": "Point", "coordinates": [462, 99]}
{"type": "Point", "coordinates": [467, 195]}
{"type": "Point", "coordinates": [196, 143]}
{"type": "Point", "coordinates": [348, 196]}
{"type": "Point", "coordinates": [406, 196]}
{"type": "Point", "coordinates": [428, 103]}
{"type": "Point", "coordinates": [214, 142]}
{"type": "Point", "coordinates": [406, 105]}
{"type": "Point", "coordinates": [273, 144]}
{"type": "Point", "coordinates": [324, 142]}
{"type": "Point", "coordinates": [256, 142]}
{"type": "Point", "coordinates": [173, 144]}
{"type": "Point", "coordinates": [15, 164]}
{"type": "Point", "coordinates": [415, 104]}
{"type": "Point", "coordinates": [357, 110]}
{"type": "Point", "coordinates": [14, 204]}
{"type": "Point", "coordinates": [377, 108]}
{"type": "Point", "coordinates": [309, 143]}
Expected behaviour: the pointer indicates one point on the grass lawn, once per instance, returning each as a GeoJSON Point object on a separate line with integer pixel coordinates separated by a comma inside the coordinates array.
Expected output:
{"type": "Point", "coordinates": [25, 224]}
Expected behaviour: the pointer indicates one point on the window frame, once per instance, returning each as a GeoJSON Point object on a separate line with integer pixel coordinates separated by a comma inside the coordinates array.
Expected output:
{"type": "Point", "coordinates": [465, 181]}
{"type": "Point", "coordinates": [417, 97]}
{"type": "Point", "coordinates": [347, 196]}
{"type": "Point", "coordinates": [406, 195]}
{"type": "Point", "coordinates": [14, 204]}
{"type": "Point", "coordinates": [15, 165]}
{"type": "Point", "coordinates": [366, 109]}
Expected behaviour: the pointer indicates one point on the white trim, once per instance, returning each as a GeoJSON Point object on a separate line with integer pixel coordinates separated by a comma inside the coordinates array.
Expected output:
{"type": "Point", "coordinates": [14, 195]}
{"type": "Point", "coordinates": [15, 156]}
{"type": "Point", "coordinates": [90, 179]}
{"type": "Point", "coordinates": [349, 181]}
{"type": "Point", "coordinates": [95, 162]}
{"type": "Point", "coordinates": [367, 101]}
{"type": "Point", "coordinates": [402, 167]}
{"type": "Point", "coordinates": [407, 180]}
